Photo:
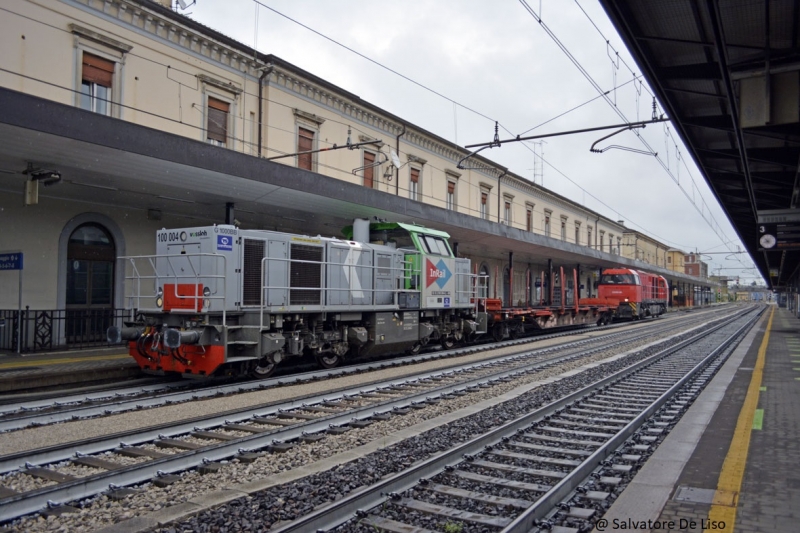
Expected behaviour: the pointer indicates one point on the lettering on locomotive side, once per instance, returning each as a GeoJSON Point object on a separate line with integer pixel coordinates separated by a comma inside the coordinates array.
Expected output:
{"type": "Point", "coordinates": [306, 239]}
{"type": "Point", "coordinates": [181, 236]}
{"type": "Point", "coordinates": [172, 236]}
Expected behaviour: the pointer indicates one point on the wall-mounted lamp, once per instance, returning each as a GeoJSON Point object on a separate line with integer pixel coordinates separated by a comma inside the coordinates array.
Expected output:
{"type": "Point", "coordinates": [46, 177]}
{"type": "Point", "coordinates": [38, 176]}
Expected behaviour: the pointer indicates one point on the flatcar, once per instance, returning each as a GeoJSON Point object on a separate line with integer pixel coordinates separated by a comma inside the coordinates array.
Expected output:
{"type": "Point", "coordinates": [219, 300]}
{"type": "Point", "coordinates": [634, 293]}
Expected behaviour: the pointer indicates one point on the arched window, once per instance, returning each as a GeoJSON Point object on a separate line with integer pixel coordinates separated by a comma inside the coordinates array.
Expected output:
{"type": "Point", "coordinates": [91, 254]}
{"type": "Point", "coordinates": [90, 267]}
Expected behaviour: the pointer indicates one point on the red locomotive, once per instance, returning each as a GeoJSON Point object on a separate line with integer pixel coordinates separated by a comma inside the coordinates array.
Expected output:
{"type": "Point", "coordinates": [634, 293]}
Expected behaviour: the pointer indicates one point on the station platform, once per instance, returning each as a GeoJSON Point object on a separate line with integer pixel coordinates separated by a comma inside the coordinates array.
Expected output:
{"type": "Point", "coordinates": [21, 374]}
{"type": "Point", "coordinates": [732, 463]}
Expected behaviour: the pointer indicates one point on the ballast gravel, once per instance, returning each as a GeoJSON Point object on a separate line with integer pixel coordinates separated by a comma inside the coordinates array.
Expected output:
{"type": "Point", "coordinates": [23, 483]}
{"type": "Point", "coordinates": [265, 508]}
{"type": "Point", "coordinates": [41, 437]}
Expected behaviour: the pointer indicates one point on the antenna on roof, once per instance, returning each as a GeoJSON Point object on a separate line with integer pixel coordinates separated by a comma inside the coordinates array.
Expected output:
{"type": "Point", "coordinates": [183, 5]}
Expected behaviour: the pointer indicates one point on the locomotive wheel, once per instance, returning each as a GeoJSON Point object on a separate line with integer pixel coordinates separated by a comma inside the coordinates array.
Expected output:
{"type": "Point", "coordinates": [263, 369]}
{"type": "Point", "coordinates": [448, 343]}
{"type": "Point", "coordinates": [414, 350]}
{"type": "Point", "coordinates": [497, 332]}
{"type": "Point", "coordinates": [328, 360]}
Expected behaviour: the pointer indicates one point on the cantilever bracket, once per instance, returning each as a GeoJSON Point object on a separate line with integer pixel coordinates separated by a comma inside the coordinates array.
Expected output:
{"type": "Point", "coordinates": [618, 147]}
{"type": "Point", "coordinates": [373, 165]}
{"type": "Point", "coordinates": [495, 142]}
{"type": "Point", "coordinates": [460, 166]}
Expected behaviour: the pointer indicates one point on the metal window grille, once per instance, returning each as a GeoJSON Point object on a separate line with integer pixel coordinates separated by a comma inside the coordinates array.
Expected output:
{"type": "Point", "coordinates": [305, 275]}
{"type": "Point", "coordinates": [251, 271]}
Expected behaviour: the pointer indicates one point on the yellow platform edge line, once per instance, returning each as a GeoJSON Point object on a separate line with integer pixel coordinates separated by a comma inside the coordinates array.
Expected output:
{"type": "Point", "coordinates": [22, 364]}
{"type": "Point", "coordinates": [732, 474]}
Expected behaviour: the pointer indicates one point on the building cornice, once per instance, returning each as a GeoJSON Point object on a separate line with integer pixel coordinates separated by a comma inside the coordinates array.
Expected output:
{"type": "Point", "coordinates": [148, 21]}
{"type": "Point", "coordinates": [92, 35]}
{"type": "Point", "coordinates": [162, 23]}
{"type": "Point", "coordinates": [220, 84]}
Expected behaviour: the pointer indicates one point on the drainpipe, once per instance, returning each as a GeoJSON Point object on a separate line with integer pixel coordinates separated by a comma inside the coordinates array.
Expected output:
{"type": "Point", "coordinates": [499, 197]}
{"type": "Point", "coordinates": [266, 72]}
{"type": "Point", "coordinates": [397, 170]}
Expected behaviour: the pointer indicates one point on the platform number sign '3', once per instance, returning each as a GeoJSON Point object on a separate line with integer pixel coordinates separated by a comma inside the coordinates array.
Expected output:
{"type": "Point", "coordinates": [767, 238]}
{"type": "Point", "coordinates": [225, 243]}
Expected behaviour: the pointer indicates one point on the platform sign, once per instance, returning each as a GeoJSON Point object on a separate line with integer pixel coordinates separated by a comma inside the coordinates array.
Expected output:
{"type": "Point", "coordinates": [13, 261]}
{"type": "Point", "coordinates": [784, 236]}
{"type": "Point", "coordinates": [779, 216]}
{"type": "Point", "coordinates": [10, 260]}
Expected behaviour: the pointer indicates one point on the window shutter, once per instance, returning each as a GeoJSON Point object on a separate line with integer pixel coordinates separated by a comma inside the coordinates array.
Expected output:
{"type": "Point", "coordinates": [415, 175]}
{"type": "Point", "coordinates": [451, 187]}
{"type": "Point", "coordinates": [97, 70]}
{"type": "Point", "coordinates": [217, 128]}
{"type": "Point", "coordinates": [305, 143]}
{"type": "Point", "coordinates": [369, 170]}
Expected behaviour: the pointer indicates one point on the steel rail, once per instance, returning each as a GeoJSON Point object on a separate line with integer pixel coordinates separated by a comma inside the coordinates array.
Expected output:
{"type": "Point", "coordinates": [524, 522]}
{"type": "Point", "coordinates": [54, 454]}
{"type": "Point", "coordinates": [339, 512]}
{"type": "Point", "coordinates": [123, 405]}
{"type": "Point", "coordinates": [215, 390]}
{"type": "Point", "coordinates": [29, 502]}
{"type": "Point", "coordinates": [74, 399]}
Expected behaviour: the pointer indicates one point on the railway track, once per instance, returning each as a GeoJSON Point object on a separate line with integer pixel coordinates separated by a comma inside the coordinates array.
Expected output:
{"type": "Point", "coordinates": [202, 443]}
{"type": "Point", "coordinates": [40, 412]}
{"type": "Point", "coordinates": [553, 467]}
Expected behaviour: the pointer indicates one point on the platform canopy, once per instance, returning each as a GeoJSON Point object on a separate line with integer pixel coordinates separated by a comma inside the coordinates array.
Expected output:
{"type": "Point", "coordinates": [728, 75]}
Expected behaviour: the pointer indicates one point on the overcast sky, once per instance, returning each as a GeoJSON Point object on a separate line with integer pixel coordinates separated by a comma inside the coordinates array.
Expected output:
{"type": "Point", "coordinates": [497, 62]}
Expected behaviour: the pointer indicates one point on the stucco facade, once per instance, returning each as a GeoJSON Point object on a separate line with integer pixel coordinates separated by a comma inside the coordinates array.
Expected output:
{"type": "Point", "coordinates": [138, 61]}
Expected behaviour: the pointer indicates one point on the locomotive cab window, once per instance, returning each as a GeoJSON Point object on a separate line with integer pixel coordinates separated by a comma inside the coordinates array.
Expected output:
{"type": "Point", "coordinates": [434, 245]}
{"type": "Point", "coordinates": [398, 237]}
{"type": "Point", "coordinates": [619, 279]}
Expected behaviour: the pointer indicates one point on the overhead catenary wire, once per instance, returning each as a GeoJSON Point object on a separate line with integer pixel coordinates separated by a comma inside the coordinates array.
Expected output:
{"type": "Point", "coordinates": [668, 134]}
{"type": "Point", "coordinates": [711, 223]}
{"type": "Point", "coordinates": [245, 143]}
{"type": "Point", "coordinates": [389, 69]}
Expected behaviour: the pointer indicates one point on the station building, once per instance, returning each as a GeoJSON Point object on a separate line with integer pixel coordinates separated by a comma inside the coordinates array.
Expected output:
{"type": "Point", "coordinates": [121, 117]}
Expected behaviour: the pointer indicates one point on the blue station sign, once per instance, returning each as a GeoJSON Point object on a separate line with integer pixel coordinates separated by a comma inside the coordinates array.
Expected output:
{"type": "Point", "coordinates": [11, 261]}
